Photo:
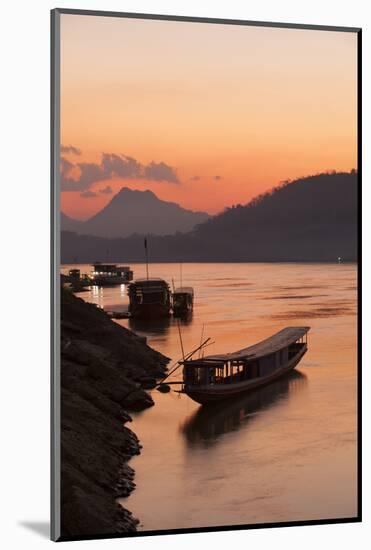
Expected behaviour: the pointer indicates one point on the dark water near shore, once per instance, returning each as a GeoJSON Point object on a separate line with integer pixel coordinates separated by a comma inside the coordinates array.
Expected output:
{"type": "Point", "coordinates": [286, 452]}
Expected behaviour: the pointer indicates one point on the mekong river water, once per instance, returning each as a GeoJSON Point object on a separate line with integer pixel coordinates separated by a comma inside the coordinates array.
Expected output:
{"type": "Point", "coordinates": [286, 452]}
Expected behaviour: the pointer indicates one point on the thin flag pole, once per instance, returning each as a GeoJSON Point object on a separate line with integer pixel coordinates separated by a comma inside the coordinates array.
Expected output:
{"type": "Point", "coordinates": [146, 250]}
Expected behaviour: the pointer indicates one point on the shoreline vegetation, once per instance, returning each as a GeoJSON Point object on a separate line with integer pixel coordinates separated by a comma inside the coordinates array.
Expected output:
{"type": "Point", "coordinates": [105, 369]}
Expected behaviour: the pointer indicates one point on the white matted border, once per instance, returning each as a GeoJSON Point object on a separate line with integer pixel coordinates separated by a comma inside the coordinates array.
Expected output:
{"type": "Point", "coordinates": [25, 91]}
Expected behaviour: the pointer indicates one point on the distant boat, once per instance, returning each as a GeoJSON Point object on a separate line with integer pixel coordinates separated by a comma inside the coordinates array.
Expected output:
{"type": "Point", "coordinates": [110, 274]}
{"type": "Point", "coordinates": [74, 275]}
{"type": "Point", "coordinates": [182, 301]}
{"type": "Point", "coordinates": [217, 377]}
{"type": "Point", "coordinates": [75, 280]}
{"type": "Point", "coordinates": [149, 299]}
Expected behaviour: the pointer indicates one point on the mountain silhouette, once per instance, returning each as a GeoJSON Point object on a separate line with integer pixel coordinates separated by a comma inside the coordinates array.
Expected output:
{"type": "Point", "coordinates": [309, 219]}
{"type": "Point", "coordinates": [69, 224]}
{"type": "Point", "coordinates": [138, 212]}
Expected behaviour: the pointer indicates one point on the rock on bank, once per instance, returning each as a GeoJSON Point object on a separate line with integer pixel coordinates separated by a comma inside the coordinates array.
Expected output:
{"type": "Point", "coordinates": [103, 368]}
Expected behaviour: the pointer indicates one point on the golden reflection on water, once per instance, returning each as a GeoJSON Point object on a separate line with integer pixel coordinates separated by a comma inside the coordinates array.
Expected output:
{"type": "Point", "coordinates": [284, 453]}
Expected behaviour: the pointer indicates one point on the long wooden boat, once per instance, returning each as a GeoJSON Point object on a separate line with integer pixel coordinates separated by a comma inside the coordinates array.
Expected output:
{"type": "Point", "coordinates": [216, 377]}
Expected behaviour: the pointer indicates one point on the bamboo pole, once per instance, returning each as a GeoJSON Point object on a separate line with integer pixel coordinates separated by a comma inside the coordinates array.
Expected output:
{"type": "Point", "coordinates": [202, 335]}
{"type": "Point", "coordinates": [177, 364]}
{"type": "Point", "coordinates": [180, 338]}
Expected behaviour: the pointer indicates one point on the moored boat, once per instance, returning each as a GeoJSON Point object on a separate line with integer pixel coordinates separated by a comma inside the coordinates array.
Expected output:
{"type": "Point", "coordinates": [217, 377]}
{"type": "Point", "coordinates": [149, 299]}
{"type": "Point", "coordinates": [182, 301]}
{"type": "Point", "coordinates": [74, 275]}
{"type": "Point", "coordinates": [75, 280]}
{"type": "Point", "coordinates": [110, 274]}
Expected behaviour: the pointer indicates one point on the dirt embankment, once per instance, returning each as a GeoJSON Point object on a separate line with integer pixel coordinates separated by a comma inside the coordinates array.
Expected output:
{"type": "Point", "coordinates": [104, 368]}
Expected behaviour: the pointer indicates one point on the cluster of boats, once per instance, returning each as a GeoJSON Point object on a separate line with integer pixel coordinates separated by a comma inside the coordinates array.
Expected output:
{"type": "Point", "coordinates": [211, 378]}
{"type": "Point", "coordinates": [152, 298]}
{"type": "Point", "coordinates": [149, 298]}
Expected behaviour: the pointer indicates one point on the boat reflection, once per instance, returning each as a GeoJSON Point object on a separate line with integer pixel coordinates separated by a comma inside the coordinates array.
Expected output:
{"type": "Point", "coordinates": [160, 326]}
{"type": "Point", "coordinates": [209, 422]}
{"type": "Point", "coordinates": [150, 327]}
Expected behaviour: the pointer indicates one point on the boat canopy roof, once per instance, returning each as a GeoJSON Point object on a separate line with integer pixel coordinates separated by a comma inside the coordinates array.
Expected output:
{"type": "Point", "coordinates": [149, 285]}
{"type": "Point", "coordinates": [278, 341]}
{"type": "Point", "coordinates": [100, 264]}
{"type": "Point", "coordinates": [184, 290]}
{"type": "Point", "coordinates": [149, 281]}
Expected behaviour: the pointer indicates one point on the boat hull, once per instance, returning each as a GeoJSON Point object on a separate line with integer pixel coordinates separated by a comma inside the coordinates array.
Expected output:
{"type": "Point", "coordinates": [109, 281]}
{"type": "Point", "coordinates": [149, 311]}
{"type": "Point", "coordinates": [210, 394]}
{"type": "Point", "coordinates": [182, 312]}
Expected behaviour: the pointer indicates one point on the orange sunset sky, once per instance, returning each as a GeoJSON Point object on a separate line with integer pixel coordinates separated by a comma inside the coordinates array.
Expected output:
{"type": "Point", "coordinates": [204, 115]}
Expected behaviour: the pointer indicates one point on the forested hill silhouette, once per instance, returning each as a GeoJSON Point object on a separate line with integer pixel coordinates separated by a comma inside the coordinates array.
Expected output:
{"type": "Point", "coordinates": [309, 219]}
{"type": "Point", "coordinates": [325, 199]}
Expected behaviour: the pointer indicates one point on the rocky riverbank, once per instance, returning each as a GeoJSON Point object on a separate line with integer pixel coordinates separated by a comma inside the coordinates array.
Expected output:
{"type": "Point", "coordinates": [104, 368]}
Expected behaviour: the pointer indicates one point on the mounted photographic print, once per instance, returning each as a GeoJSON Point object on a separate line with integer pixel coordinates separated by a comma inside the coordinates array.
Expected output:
{"type": "Point", "coordinates": [205, 228]}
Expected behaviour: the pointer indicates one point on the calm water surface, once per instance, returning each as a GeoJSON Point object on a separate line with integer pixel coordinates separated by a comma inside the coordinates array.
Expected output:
{"type": "Point", "coordinates": [286, 452]}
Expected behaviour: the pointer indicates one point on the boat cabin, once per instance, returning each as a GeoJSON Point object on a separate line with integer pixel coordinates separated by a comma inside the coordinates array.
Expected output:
{"type": "Point", "coordinates": [220, 376]}
{"type": "Point", "coordinates": [111, 273]}
{"type": "Point", "coordinates": [74, 274]}
{"type": "Point", "coordinates": [149, 298]}
{"type": "Point", "coordinates": [183, 300]}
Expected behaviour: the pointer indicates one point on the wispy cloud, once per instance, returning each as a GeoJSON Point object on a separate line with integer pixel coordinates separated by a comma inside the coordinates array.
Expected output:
{"type": "Point", "coordinates": [106, 190]}
{"type": "Point", "coordinates": [120, 166]}
{"type": "Point", "coordinates": [159, 171]}
{"type": "Point", "coordinates": [112, 166]}
{"type": "Point", "coordinates": [70, 149]}
{"type": "Point", "coordinates": [66, 166]}
{"type": "Point", "coordinates": [88, 194]}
